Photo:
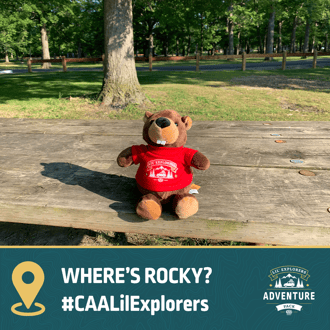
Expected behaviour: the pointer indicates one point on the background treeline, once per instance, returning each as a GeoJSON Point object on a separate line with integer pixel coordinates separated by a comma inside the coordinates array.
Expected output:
{"type": "Point", "coordinates": [62, 27]}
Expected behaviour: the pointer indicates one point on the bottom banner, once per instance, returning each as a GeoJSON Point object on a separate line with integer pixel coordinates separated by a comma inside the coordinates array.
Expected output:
{"type": "Point", "coordinates": [165, 288]}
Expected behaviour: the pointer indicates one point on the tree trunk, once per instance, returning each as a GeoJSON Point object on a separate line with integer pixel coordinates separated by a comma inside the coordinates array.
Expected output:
{"type": "Point", "coordinates": [79, 49]}
{"type": "Point", "coordinates": [306, 43]}
{"type": "Point", "coordinates": [120, 85]}
{"type": "Point", "coordinates": [183, 46]}
{"type": "Point", "coordinates": [270, 34]}
{"type": "Point", "coordinates": [231, 31]}
{"type": "Point", "coordinates": [279, 46]}
{"type": "Point", "coordinates": [238, 46]}
{"type": "Point", "coordinates": [202, 34]}
{"type": "Point", "coordinates": [312, 45]}
{"type": "Point", "coordinates": [45, 47]}
{"type": "Point", "coordinates": [151, 45]}
{"type": "Point", "coordinates": [248, 47]}
{"type": "Point", "coordinates": [189, 45]}
{"type": "Point", "coordinates": [6, 58]}
{"type": "Point", "coordinates": [326, 43]}
{"type": "Point", "coordinates": [260, 40]}
{"type": "Point", "coordinates": [293, 35]}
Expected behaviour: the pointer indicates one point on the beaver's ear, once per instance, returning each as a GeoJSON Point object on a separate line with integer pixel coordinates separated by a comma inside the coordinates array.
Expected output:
{"type": "Point", "coordinates": [147, 115]}
{"type": "Point", "coordinates": [187, 121]}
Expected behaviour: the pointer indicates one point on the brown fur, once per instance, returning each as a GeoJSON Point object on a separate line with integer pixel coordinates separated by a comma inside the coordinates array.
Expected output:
{"type": "Point", "coordinates": [149, 207]}
{"type": "Point", "coordinates": [175, 135]}
{"type": "Point", "coordinates": [185, 205]}
{"type": "Point", "coordinates": [125, 158]}
{"type": "Point", "coordinates": [180, 131]}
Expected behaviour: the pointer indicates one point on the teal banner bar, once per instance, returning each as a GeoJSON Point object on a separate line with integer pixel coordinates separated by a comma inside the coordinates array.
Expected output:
{"type": "Point", "coordinates": [165, 288]}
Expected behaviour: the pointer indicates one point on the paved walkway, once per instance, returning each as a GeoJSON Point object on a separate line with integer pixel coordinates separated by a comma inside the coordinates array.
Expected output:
{"type": "Point", "coordinates": [290, 65]}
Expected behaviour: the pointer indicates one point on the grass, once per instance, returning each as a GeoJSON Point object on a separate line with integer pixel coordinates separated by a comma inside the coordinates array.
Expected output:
{"type": "Point", "coordinates": [211, 95]}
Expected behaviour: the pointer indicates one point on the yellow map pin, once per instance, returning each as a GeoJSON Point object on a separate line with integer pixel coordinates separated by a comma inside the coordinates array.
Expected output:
{"type": "Point", "coordinates": [28, 292]}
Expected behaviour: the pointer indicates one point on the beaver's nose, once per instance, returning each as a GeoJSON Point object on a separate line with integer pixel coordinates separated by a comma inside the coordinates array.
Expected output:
{"type": "Point", "coordinates": [163, 122]}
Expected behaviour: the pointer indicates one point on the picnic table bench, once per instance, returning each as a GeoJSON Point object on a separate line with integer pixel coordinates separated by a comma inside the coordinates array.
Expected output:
{"type": "Point", "coordinates": [64, 173]}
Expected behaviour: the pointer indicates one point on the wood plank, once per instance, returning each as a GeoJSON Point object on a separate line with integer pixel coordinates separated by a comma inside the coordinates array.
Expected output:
{"type": "Point", "coordinates": [251, 192]}
{"type": "Point", "coordinates": [221, 151]}
{"type": "Point", "coordinates": [240, 194]}
{"type": "Point", "coordinates": [269, 233]}
{"type": "Point", "coordinates": [47, 61]}
{"type": "Point", "coordinates": [265, 152]}
{"type": "Point", "coordinates": [235, 129]}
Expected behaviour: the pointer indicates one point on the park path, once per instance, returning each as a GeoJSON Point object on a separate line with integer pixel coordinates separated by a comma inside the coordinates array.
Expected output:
{"type": "Point", "coordinates": [290, 65]}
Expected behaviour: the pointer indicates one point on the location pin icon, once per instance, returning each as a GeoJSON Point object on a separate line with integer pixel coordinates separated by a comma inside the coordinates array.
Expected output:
{"type": "Point", "coordinates": [28, 292]}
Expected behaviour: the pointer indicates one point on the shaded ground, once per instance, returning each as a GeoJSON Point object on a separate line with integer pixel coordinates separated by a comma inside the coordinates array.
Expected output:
{"type": "Point", "coordinates": [21, 234]}
{"type": "Point", "coordinates": [279, 82]}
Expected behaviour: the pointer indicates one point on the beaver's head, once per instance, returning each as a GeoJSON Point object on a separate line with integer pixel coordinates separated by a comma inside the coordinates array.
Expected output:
{"type": "Point", "coordinates": [166, 128]}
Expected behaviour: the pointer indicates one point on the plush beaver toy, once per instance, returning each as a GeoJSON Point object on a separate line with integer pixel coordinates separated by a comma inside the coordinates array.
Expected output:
{"type": "Point", "coordinates": [164, 174]}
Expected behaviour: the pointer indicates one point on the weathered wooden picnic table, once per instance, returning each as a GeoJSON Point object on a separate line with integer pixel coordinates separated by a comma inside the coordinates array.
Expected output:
{"type": "Point", "coordinates": [64, 173]}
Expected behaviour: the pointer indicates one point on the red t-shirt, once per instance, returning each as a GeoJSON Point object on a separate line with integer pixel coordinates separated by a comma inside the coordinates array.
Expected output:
{"type": "Point", "coordinates": [162, 168]}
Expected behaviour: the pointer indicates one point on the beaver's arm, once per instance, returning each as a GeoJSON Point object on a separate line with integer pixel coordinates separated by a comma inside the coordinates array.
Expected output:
{"type": "Point", "coordinates": [200, 161]}
{"type": "Point", "coordinates": [125, 158]}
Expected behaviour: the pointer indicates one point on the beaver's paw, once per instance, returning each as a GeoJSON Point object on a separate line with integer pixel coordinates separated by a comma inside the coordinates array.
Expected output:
{"type": "Point", "coordinates": [185, 205]}
{"type": "Point", "coordinates": [149, 207]}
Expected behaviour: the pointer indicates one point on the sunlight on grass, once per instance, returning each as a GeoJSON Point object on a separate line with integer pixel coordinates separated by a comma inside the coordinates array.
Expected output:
{"type": "Point", "coordinates": [212, 95]}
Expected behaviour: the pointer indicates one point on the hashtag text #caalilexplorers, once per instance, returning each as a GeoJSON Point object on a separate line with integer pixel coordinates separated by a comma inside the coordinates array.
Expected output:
{"type": "Point", "coordinates": [128, 303]}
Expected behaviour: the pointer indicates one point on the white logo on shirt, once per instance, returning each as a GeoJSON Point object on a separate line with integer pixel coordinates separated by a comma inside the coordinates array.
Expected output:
{"type": "Point", "coordinates": [161, 170]}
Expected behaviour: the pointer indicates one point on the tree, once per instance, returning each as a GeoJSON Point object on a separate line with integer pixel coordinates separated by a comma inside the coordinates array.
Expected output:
{"type": "Point", "coordinates": [270, 35]}
{"type": "Point", "coordinates": [80, 32]}
{"type": "Point", "coordinates": [14, 26]}
{"type": "Point", "coordinates": [42, 15]}
{"type": "Point", "coordinates": [7, 32]}
{"type": "Point", "coordinates": [313, 11]}
{"type": "Point", "coordinates": [230, 25]}
{"type": "Point", "coordinates": [120, 84]}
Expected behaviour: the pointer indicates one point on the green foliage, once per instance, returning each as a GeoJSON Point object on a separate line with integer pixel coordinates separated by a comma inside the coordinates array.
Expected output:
{"type": "Point", "coordinates": [176, 26]}
{"type": "Point", "coordinates": [14, 25]}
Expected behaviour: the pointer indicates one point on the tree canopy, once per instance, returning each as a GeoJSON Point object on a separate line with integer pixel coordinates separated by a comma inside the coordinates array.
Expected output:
{"type": "Point", "coordinates": [167, 26]}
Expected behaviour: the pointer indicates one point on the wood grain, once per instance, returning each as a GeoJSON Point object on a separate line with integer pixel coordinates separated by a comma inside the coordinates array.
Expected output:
{"type": "Point", "coordinates": [234, 129]}
{"type": "Point", "coordinates": [269, 233]}
{"type": "Point", "coordinates": [64, 173]}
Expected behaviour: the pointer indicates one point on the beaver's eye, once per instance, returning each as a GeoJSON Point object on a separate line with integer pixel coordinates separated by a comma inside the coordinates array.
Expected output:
{"type": "Point", "coordinates": [151, 122]}
{"type": "Point", "coordinates": [176, 124]}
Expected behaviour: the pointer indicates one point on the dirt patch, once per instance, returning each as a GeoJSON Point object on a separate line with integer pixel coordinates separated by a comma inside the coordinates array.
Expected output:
{"type": "Point", "coordinates": [299, 107]}
{"type": "Point", "coordinates": [279, 82]}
